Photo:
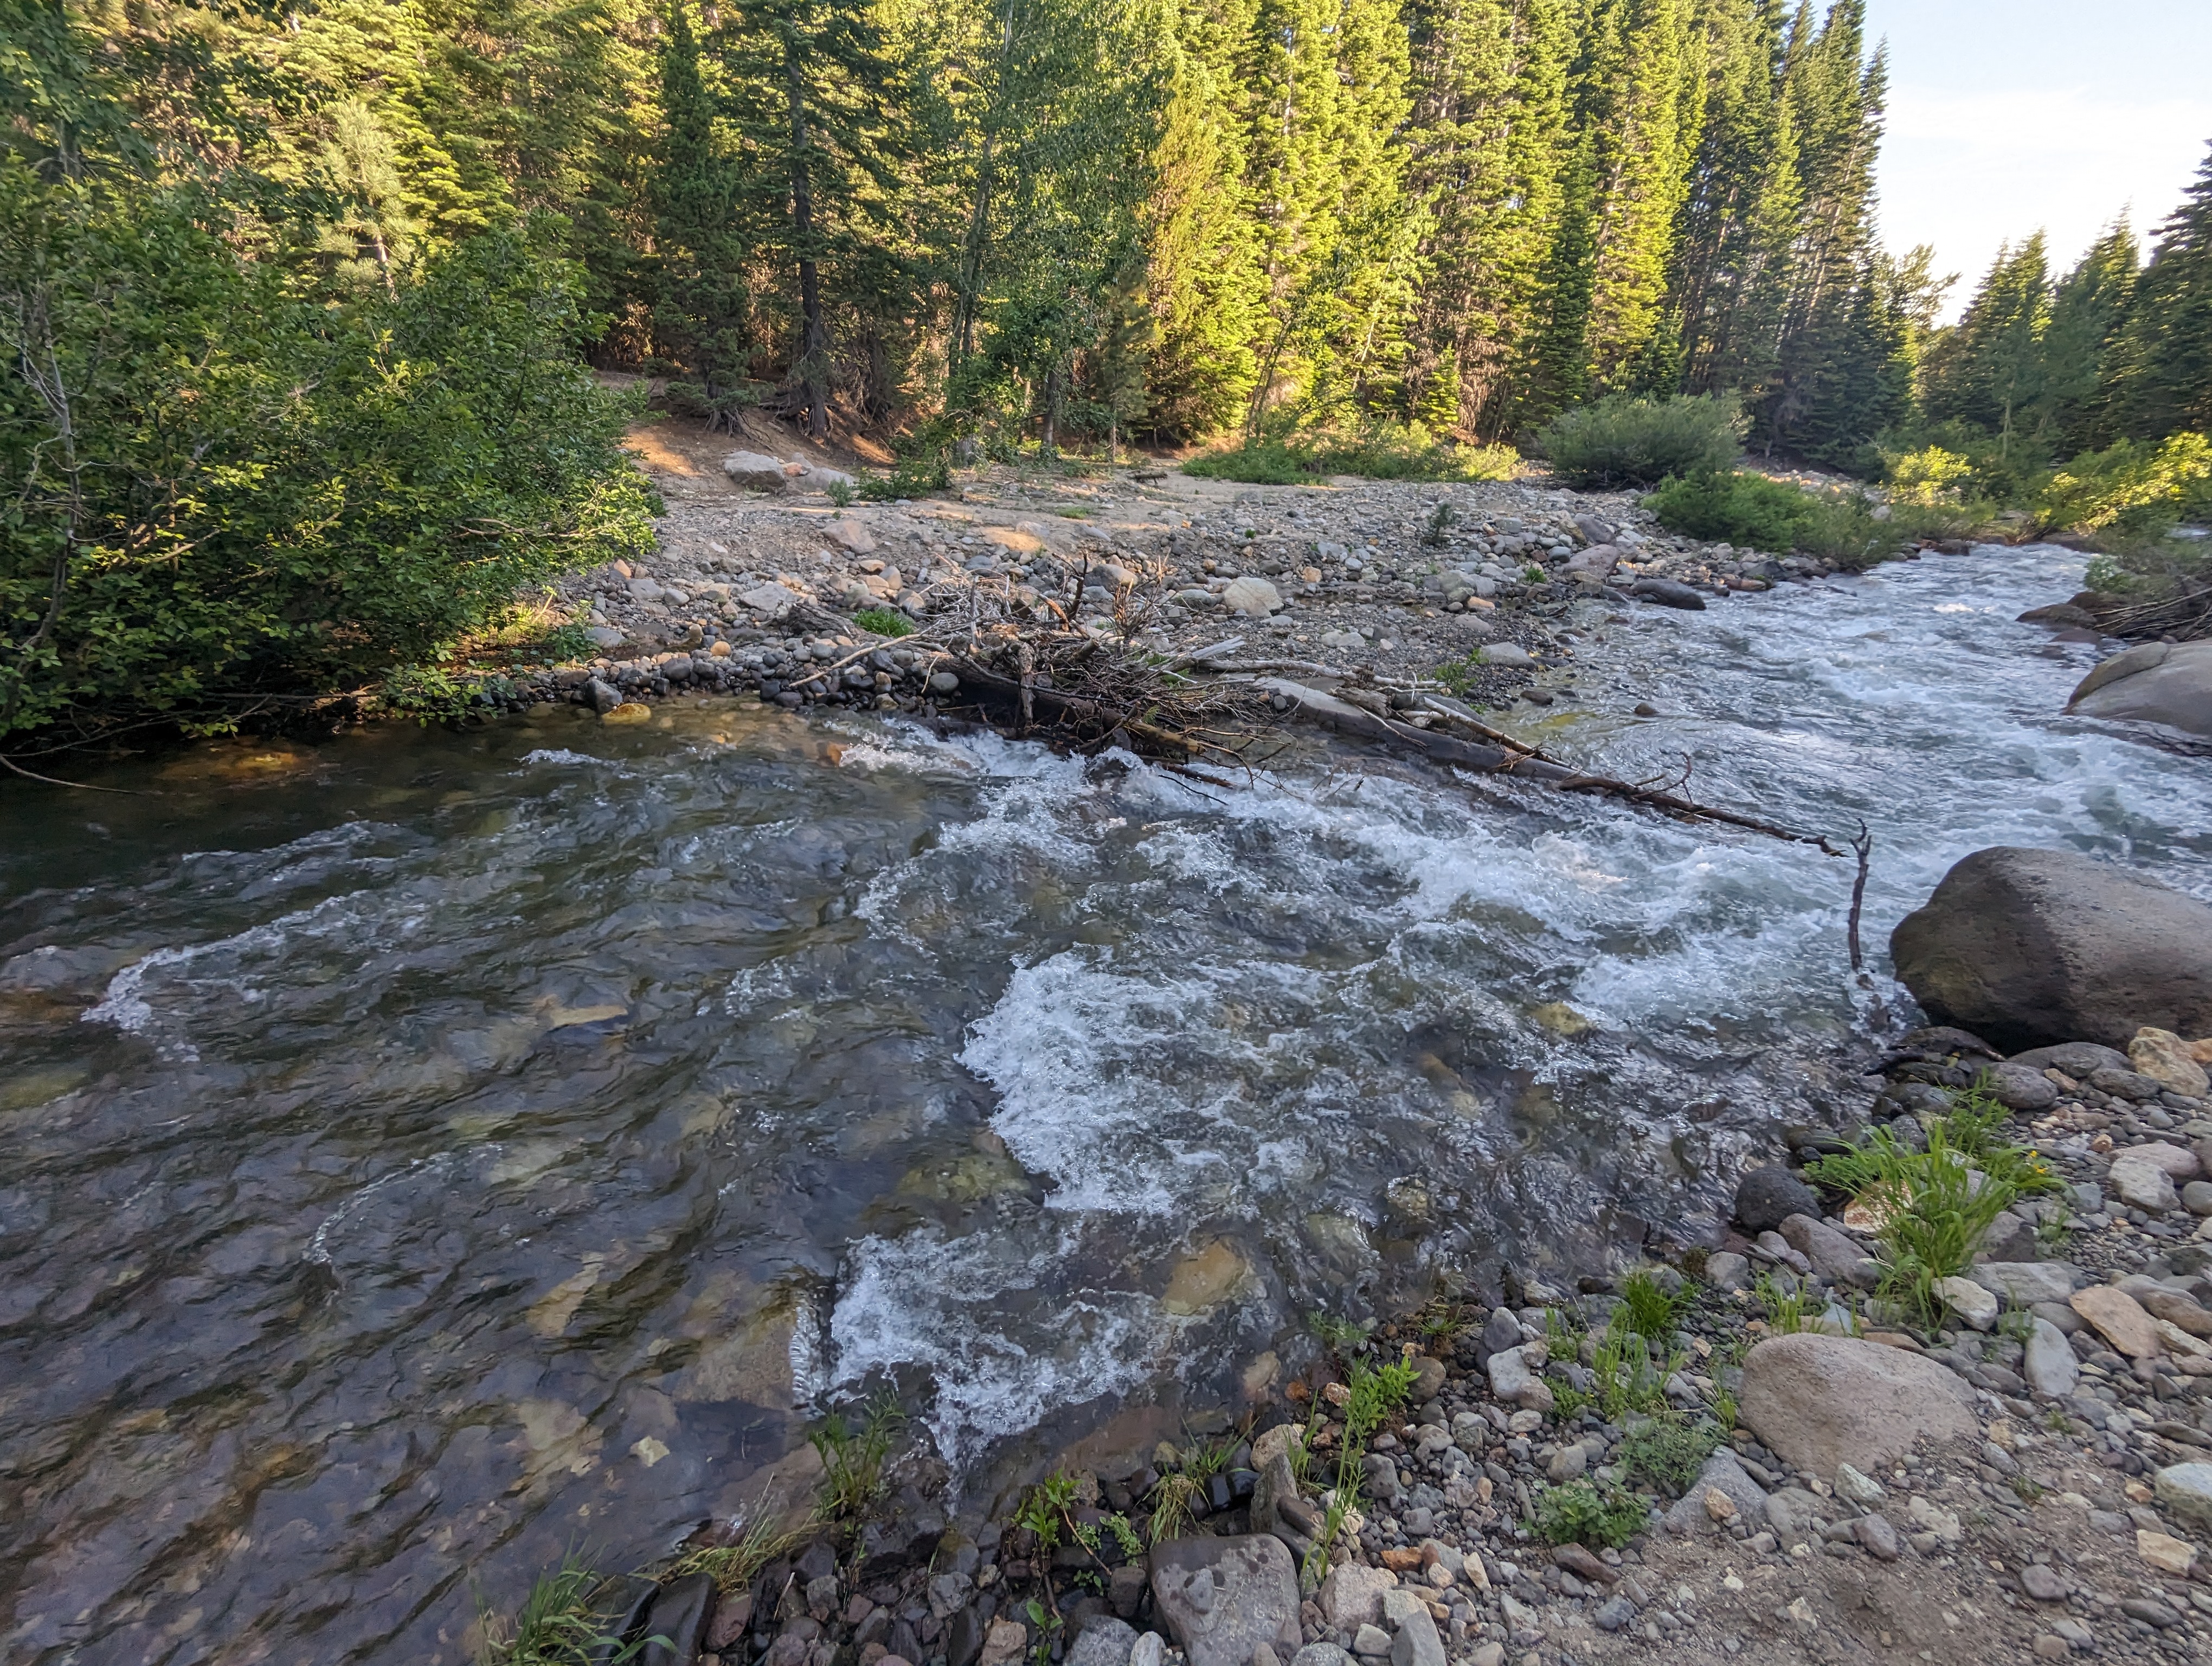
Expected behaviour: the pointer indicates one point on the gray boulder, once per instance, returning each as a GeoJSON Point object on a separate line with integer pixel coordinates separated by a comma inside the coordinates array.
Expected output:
{"type": "Point", "coordinates": [2027, 1282]}
{"type": "Point", "coordinates": [2167, 683]}
{"type": "Point", "coordinates": [2035, 947]}
{"type": "Point", "coordinates": [2079, 1060]}
{"type": "Point", "coordinates": [1766, 1197]}
{"type": "Point", "coordinates": [2050, 1367]}
{"type": "Point", "coordinates": [755, 472]}
{"type": "Point", "coordinates": [1817, 1401]}
{"type": "Point", "coordinates": [1222, 1598]}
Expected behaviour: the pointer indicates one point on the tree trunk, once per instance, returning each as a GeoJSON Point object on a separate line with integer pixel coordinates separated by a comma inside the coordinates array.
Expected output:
{"type": "Point", "coordinates": [814, 343]}
{"type": "Point", "coordinates": [1052, 412]}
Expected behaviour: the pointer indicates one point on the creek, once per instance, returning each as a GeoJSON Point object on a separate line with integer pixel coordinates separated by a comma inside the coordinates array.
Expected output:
{"type": "Point", "coordinates": [428, 1154]}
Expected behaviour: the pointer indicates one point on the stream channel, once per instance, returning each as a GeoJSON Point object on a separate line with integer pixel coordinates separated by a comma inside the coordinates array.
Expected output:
{"type": "Point", "coordinates": [428, 1154]}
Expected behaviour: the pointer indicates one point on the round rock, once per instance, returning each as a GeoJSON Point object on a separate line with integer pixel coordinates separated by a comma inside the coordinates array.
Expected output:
{"type": "Point", "coordinates": [1766, 1197]}
{"type": "Point", "coordinates": [1819, 1401]}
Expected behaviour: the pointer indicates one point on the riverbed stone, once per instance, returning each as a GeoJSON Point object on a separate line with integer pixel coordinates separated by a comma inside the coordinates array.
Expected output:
{"type": "Point", "coordinates": [2118, 1318]}
{"type": "Point", "coordinates": [1105, 1642]}
{"type": "Point", "coordinates": [2177, 1163]}
{"type": "Point", "coordinates": [1254, 597]}
{"type": "Point", "coordinates": [2169, 1061]}
{"type": "Point", "coordinates": [2186, 1490]}
{"type": "Point", "coordinates": [1417, 1643]}
{"type": "Point", "coordinates": [1352, 1594]}
{"type": "Point", "coordinates": [1668, 592]}
{"type": "Point", "coordinates": [1222, 1598]}
{"type": "Point", "coordinates": [1767, 1196]}
{"type": "Point", "coordinates": [1513, 1373]}
{"type": "Point", "coordinates": [2018, 1087]}
{"type": "Point", "coordinates": [2050, 1366]}
{"type": "Point", "coordinates": [1977, 1306]}
{"type": "Point", "coordinates": [1833, 1255]}
{"type": "Point", "coordinates": [2023, 1283]}
{"type": "Point", "coordinates": [1817, 1401]}
{"type": "Point", "coordinates": [2034, 947]}
{"type": "Point", "coordinates": [1728, 1272]}
{"type": "Point", "coordinates": [2144, 1185]}
{"type": "Point", "coordinates": [1724, 1476]}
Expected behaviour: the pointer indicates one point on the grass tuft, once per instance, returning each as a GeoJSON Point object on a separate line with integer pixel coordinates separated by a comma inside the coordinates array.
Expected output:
{"type": "Point", "coordinates": [883, 622]}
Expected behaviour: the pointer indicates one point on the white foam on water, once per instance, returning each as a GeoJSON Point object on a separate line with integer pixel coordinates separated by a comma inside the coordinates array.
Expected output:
{"type": "Point", "coordinates": [560, 755]}
{"type": "Point", "coordinates": [961, 1307]}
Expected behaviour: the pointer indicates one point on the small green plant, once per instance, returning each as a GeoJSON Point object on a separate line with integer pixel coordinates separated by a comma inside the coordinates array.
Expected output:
{"type": "Point", "coordinates": [883, 622]}
{"type": "Point", "coordinates": [2016, 1324]}
{"type": "Point", "coordinates": [1647, 1308]}
{"type": "Point", "coordinates": [563, 1622]}
{"type": "Point", "coordinates": [1725, 1409]}
{"type": "Point", "coordinates": [852, 1460]}
{"type": "Point", "coordinates": [1375, 1392]}
{"type": "Point", "coordinates": [841, 493]}
{"type": "Point", "coordinates": [1173, 1511]}
{"type": "Point", "coordinates": [2028, 1490]}
{"type": "Point", "coordinates": [1936, 1210]}
{"type": "Point", "coordinates": [1666, 1450]}
{"type": "Point", "coordinates": [1533, 574]}
{"type": "Point", "coordinates": [1045, 1511]}
{"type": "Point", "coordinates": [1785, 1309]}
{"type": "Point", "coordinates": [732, 1567]}
{"type": "Point", "coordinates": [1441, 521]}
{"type": "Point", "coordinates": [1629, 1377]}
{"type": "Point", "coordinates": [428, 694]}
{"type": "Point", "coordinates": [1046, 1625]}
{"type": "Point", "coordinates": [1580, 1512]}
{"type": "Point", "coordinates": [1342, 1337]}
{"type": "Point", "coordinates": [1621, 441]}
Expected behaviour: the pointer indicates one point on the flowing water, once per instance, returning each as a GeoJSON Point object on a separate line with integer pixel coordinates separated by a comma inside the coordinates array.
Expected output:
{"type": "Point", "coordinates": [426, 1154]}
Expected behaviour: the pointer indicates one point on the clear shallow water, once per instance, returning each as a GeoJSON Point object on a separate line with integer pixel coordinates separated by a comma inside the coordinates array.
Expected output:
{"type": "Point", "coordinates": [429, 1153]}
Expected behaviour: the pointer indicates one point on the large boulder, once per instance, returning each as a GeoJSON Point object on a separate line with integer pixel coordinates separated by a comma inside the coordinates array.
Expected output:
{"type": "Point", "coordinates": [1767, 1196]}
{"type": "Point", "coordinates": [1819, 1402]}
{"type": "Point", "coordinates": [755, 472]}
{"type": "Point", "coordinates": [1221, 1598]}
{"type": "Point", "coordinates": [2035, 947]}
{"type": "Point", "coordinates": [2168, 682]}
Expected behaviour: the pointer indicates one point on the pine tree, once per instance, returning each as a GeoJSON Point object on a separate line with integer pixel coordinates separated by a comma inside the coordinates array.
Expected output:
{"type": "Point", "coordinates": [2089, 314]}
{"type": "Point", "coordinates": [1991, 369]}
{"type": "Point", "coordinates": [701, 302]}
{"type": "Point", "coordinates": [2167, 373]}
{"type": "Point", "coordinates": [808, 85]}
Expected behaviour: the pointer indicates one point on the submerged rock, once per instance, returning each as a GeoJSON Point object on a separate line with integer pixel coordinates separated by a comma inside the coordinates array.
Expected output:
{"type": "Point", "coordinates": [2033, 947]}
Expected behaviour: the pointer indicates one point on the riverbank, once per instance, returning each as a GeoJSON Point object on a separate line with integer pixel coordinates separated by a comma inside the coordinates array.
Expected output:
{"type": "Point", "coordinates": [1377, 580]}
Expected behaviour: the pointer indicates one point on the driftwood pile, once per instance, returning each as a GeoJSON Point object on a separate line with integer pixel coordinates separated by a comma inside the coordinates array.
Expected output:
{"type": "Point", "coordinates": [1085, 689]}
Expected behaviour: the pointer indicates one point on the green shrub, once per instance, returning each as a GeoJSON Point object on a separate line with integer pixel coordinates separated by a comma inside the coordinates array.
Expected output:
{"type": "Point", "coordinates": [1748, 510]}
{"type": "Point", "coordinates": [883, 622]}
{"type": "Point", "coordinates": [1625, 441]}
{"type": "Point", "coordinates": [1665, 1450]}
{"type": "Point", "coordinates": [1388, 450]}
{"type": "Point", "coordinates": [917, 475]}
{"type": "Point", "coordinates": [1752, 511]}
{"type": "Point", "coordinates": [1581, 1513]}
{"type": "Point", "coordinates": [1647, 1308]}
{"type": "Point", "coordinates": [220, 487]}
{"type": "Point", "coordinates": [2133, 487]}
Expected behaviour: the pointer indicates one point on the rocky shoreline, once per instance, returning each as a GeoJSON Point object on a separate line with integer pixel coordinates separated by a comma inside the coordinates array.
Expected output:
{"type": "Point", "coordinates": [754, 590]}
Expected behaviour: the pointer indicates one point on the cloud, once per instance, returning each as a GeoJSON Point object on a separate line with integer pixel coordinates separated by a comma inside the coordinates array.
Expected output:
{"type": "Point", "coordinates": [1967, 171]}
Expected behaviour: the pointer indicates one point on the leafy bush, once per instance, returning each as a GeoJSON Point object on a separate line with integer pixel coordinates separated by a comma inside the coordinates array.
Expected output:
{"type": "Point", "coordinates": [221, 488]}
{"type": "Point", "coordinates": [1580, 1513]}
{"type": "Point", "coordinates": [1625, 441]}
{"type": "Point", "coordinates": [917, 475]}
{"type": "Point", "coordinates": [883, 622]}
{"type": "Point", "coordinates": [1745, 509]}
{"type": "Point", "coordinates": [1760, 514]}
{"type": "Point", "coordinates": [2133, 487]}
{"type": "Point", "coordinates": [1390, 451]}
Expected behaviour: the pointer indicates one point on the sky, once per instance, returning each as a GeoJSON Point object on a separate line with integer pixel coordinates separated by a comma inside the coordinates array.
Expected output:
{"type": "Point", "coordinates": [2007, 115]}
